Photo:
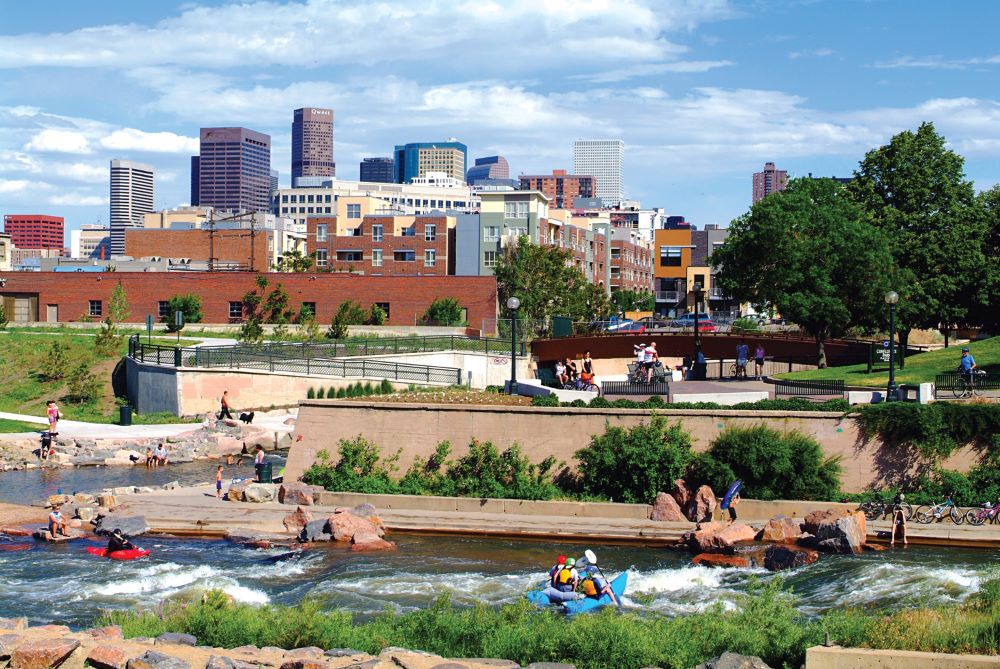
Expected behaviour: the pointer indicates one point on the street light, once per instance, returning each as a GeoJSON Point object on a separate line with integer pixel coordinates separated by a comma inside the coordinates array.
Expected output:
{"type": "Point", "coordinates": [698, 373]}
{"type": "Point", "coordinates": [513, 304]}
{"type": "Point", "coordinates": [891, 298]}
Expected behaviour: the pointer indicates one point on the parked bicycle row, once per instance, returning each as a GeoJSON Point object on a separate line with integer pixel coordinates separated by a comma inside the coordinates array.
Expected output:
{"type": "Point", "coordinates": [988, 512]}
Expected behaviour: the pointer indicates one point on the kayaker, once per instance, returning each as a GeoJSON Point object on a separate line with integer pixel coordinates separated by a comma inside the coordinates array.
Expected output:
{"type": "Point", "coordinates": [595, 585]}
{"type": "Point", "coordinates": [563, 584]}
{"type": "Point", "coordinates": [119, 542]}
{"type": "Point", "coordinates": [556, 568]}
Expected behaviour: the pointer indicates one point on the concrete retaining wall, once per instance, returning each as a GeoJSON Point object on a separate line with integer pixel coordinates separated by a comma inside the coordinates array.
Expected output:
{"type": "Point", "coordinates": [560, 432]}
{"type": "Point", "coordinates": [835, 657]}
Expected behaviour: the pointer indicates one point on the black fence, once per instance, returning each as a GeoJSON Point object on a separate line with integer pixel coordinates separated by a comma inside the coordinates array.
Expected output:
{"type": "Point", "coordinates": [808, 388]}
{"type": "Point", "coordinates": [958, 386]}
{"type": "Point", "coordinates": [153, 353]}
{"type": "Point", "coordinates": [632, 388]}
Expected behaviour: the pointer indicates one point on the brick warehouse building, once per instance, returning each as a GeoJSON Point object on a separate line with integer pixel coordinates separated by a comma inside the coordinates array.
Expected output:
{"type": "Point", "coordinates": [65, 297]}
{"type": "Point", "coordinates": [383, 245]}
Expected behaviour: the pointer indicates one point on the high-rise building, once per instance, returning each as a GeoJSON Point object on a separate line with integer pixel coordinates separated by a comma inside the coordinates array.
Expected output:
{"type": "Point", "coordinates": [273, 183]}
{"type": "Point", "coordinates": [234, 169]}
{"type": "Point", "coordinates": [312, 143]}
{"type": "Point", "coordinates": [561, 188]}
{"type": "Point", "coordinates": [90, 241]}
{"type": "Point", "coordinates": [490, 167]}
{"type": "Point", "coordinates": [131, 199]}
{"type": "Point", "coordinates": [419, 158]}
{"type": "Point", "coordinates": [377, 170]}
{"type": "Point", "coordinates": [771, 180]}
{"type": "Point", "coordinates": [601, 159]}
{"type": "Point", "coordinates": [34, 231]}
{"type": "Point", "coordinates": [195, 175]}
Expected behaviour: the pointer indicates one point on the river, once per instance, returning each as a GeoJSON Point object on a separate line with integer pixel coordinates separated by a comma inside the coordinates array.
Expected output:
{"type": "Point", "coordinates": [64, 583]}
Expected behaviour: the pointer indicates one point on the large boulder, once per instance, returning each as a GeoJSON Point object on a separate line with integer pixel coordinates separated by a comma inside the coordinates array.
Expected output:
{"type": "Point", "coordinates": [176, 639]}
{"type": "Point", "coordinates": [42, 653]}
{"type": "Point", "coordinates": [780, 529]}
{"type": "Point", "coordinates": [152, 659]}
{"type": "Point", "coordinates": [235, 491]}
{"type": "Point", "coordinates": [837, 532]}
{"type": "Point", "coordinates": [734, 661]}
{"type": "Point", "coordinates": [717, 560]}
{"type": "Point", "coordinates": [300, 494]}
{"type": "Point", "coordinates": [107, 657]}
{"type": "Point", "coordinates": [779, 557]}
{"type": "Point", "coordinates": [316, 530]}
{"type": "Point", "coordinates": [665, 508]}
{"type": "Point", "coordinates": [296, 520]}
{"type": "Point", "coordinates": [260, 493]}
{"type": "Point", "coordinates": [702, 505]}
{"type": "Point", "coordinates": [222, 662]}
{"type": "Point", "coordinates": [681, 493]}
{"type": "Point", "coordinates": [131, 526]}
{"type": "Point", "coordinates": [343, 526]}
{"type": "Point", "coordinates": [719, 537]}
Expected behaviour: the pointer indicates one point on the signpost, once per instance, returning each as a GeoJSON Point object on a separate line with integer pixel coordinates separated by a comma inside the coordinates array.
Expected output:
{"type": "Point", "coordinates": [880, 353]}
{"type": "Point", "coordinates": [149, 328]}
{"type": "Point", "coordinates": [178, 323]}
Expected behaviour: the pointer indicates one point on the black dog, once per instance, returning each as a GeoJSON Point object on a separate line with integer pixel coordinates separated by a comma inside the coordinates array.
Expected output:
{"type": "Point", "coordinates": [247, 417]}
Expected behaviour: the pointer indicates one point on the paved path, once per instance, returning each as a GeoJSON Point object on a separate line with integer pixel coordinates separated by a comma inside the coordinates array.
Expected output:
{"type": "Point", "coordinates": [191, 511]}
{"type": "Point", "coordinates": [80, 429]}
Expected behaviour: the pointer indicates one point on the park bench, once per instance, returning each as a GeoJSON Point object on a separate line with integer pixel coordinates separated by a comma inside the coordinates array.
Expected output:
{"type": "Point", "coordinates": [808, 388]}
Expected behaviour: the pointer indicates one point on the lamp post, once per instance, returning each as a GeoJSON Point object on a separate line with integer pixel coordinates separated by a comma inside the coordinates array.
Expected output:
{"type": "Point", "coordinates": [513, 304]}
{"type": "Point", "coordinates": [697, 369]}
{"type": "Point", "coordinates": [891, 298]}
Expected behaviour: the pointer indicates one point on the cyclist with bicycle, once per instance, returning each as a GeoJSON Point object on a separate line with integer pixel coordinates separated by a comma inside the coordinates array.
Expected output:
{"type": "Point", "coordinates": [966, 364]}
{"type": "Point", "coordinates": [742, 357]}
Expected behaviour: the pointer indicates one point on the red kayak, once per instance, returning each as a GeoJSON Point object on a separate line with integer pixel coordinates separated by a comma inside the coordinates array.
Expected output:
{"type": "Point", "coordinates": [118, 555]}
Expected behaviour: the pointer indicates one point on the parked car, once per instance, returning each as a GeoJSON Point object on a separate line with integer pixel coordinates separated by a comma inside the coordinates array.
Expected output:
{"type": "Point", "coordinates": [685, 321]}
{"type": "Point", "coordinates": [653, 323]}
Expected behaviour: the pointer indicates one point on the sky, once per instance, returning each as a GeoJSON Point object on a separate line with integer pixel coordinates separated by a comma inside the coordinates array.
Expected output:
{"type": "Point", "coordinates": [703, 92]}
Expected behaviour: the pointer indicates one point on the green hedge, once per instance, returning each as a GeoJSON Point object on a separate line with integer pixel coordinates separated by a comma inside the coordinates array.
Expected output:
{"type": "Point", "coordinates": [935, 429]}
{"type": "Point", "coordinates": [656, 402]}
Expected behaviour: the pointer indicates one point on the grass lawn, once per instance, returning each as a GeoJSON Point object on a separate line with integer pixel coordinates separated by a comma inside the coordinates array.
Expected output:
{"type": "Point", "coordinates": [24, 358]}
{"type": "Point", "coordinates": [16, 426]}
{"type": "Point", "coordinates": [920, 368]}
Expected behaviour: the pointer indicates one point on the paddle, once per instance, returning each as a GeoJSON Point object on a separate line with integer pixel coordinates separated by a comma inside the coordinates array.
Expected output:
{"type": "Point", "coordinates": [591, 558]}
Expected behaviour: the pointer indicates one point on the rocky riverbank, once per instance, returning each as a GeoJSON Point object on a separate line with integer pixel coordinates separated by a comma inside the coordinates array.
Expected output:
{"type": "Point", "coordinates": [211, 439]}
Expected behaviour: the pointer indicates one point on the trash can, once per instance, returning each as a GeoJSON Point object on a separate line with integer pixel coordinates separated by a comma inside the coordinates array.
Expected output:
{"type": "Point", "coordinates": [264, 472]}
{"type": "Point", "coordinates": [125, 415]}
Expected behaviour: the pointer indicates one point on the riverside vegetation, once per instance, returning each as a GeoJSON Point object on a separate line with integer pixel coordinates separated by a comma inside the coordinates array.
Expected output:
{"type": "Point", "coordinates": [765, 623]}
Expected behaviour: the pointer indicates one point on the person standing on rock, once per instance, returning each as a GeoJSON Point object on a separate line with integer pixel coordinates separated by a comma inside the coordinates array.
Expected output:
{"type": "Point", "coordinates": [52, 413]}
{"type": "Point", "coordinates": [898, 522]}
{"type": "Point", "coordinates": [258, 460]}
{"type": "Point", "coordinates": [225, 412]}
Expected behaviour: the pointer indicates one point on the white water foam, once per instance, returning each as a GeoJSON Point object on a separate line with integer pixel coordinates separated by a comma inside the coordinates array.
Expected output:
{"type": "Point", "coordinates": [162, 580]}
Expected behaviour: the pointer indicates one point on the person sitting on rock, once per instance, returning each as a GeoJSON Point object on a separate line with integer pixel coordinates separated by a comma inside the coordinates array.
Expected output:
{"type": "Point", "coordinates": [57, 524]}
{"type": "Point", "coordinates": [161, 455]}
{"type": "Point", "coordinates": [119, 542]}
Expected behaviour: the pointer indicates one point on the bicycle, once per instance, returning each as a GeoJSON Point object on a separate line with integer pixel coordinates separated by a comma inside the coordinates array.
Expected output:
{"type": "Point", "coordinates": [580, 384]}
{"type": "Point", "coordinates": [927, 515]}
{"type": "Point", "coordinates": [879, 510]}
{"type": "Point", "coordinates": [984, 513]}
{"type": "Point", "coordinates": [966, 383]}
{"type": "Point", "coordinates": [738, 371]}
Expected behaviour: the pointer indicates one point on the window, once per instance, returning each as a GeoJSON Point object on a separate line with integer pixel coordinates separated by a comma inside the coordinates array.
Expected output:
{"type": "Point", "coordinates": [321, 232]}
{"type": "Point", "coordinates": [376, 257]}
{"type": "Point", "coordinates": [430, 258]}
{"type": "Point", "coordinates": [491, 233]}
{"type": "Point", "coordinates": [311, 306]}
{"type": "Point", "coordinates": [670, 256]}
{"type": "Point", "coordinates": [354, 211]}
{"type": "Point", "coordinates": [310, 199]}
{"type": "Point", "coordinates": [327, 200]}
{"type": "Point", "coordinates": [321, 257]}
{"type": "Point", "coordinates": [384, 306]}
{"type": "Point", "coordinates": [490, 259]}
{"type": "Point", "coordinates": [162, 309]}
{"type": "Point", "coordinates": [95, 308]}
{"type": "Point", "coordinates": [616, 253]}
{"type": "Point", "coordinates": [515, 209]}
{"type": "Point", "coordinates": [284, 199]}
{"type": "Point", "coordinates": [377, 233]}
{"type": "Point", "coordinates": [235, 311]}
{"type": "Point", "coordinates": [404, 256]}
{"type": "Point", "coordinates": [430, 232]}
{"type": "Point", "coordinates": [350, 256]}
{"type": "Point", "coordinates": [410, 231]}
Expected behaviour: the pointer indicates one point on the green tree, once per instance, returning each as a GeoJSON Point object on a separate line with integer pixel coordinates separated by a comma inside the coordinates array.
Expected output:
{"type": "Point", "coordinates": [56, 362]}
{"type": "Point", "coordinates": [915, 191]}
{"type": "Point", "coordinates": [109, 338]}
{"type": "Point", "coordinates": [308, 327]}
{"type": "Point", "coordinates": [987, 311]}
{"type": "Point", "coordinates": [548, 283]}
{"type": "Point", "coordinates": [252, 330]}
{"type": "Point", "coordinates": [348, 313]}
{"type": "Point", "coordinates": [82, 385]}
{"type": "Point", "coordinates": [444, 311]}
{"type": "Point", "coordinates": [189, 305]}
{"type": "Point", "coordinates": [295, 261]}
{"type": "Point", "coordinates": [3, 316]}
{"type": "Point", "coordinates": [809, 251]}
{"type": "Point", "coordinates": [377, 315]}
{"type": "Point", "coordinates": [631, 300]}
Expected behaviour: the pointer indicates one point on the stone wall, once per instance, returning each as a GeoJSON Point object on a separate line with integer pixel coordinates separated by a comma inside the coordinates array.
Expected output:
{"type": "Point", "coordinates": [560, 432]}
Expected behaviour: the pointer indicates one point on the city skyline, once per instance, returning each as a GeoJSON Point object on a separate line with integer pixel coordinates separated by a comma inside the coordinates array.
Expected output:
{"type": "Point", "coordinates": [679, 83]}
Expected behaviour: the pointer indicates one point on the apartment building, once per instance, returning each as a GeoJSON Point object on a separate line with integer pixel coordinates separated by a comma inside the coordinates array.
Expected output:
{"type": "Point", "coordinates": [561, 188]}
{"type": "Point", "coordinates": [769, 180]}
{"type": "Point", "coordinates": [35, 231]}
{"type": "Point", "coordinates": [631, 261]}
{"type": "Point", "coordinates": [683, 266]}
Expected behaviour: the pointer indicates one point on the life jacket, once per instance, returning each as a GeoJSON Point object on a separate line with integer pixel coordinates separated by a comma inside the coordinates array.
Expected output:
{"type": "Point", "coordinates": [589, 588]}
{"type": "Point", "coordinates": [564, 579]}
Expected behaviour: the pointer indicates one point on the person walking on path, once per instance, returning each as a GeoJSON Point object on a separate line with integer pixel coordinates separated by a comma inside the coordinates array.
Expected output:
{"type": "Point", "coordinates": [52, 413]}
{"type": "Point", "coordinates": [225, 412]}
{"type": "Point", "coordinates": [742, 353]}
{"type": "Point", "coordinates": [898, 522]}
{"type": "Point", "coordinates": [218, 482]}
{"type": "Point", "coordinates": [758, 361]}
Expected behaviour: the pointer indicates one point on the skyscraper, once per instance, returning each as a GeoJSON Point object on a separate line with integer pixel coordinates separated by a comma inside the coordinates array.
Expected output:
{"type": "Point", "coordinates": [490, 167]}
{"type": "Point", "coordinates": [420, 158]}
{"type": "Point", "coordinates": [312, 143]}
{"type": "Point", "coordinates": [234, 170]}
{"type": "Point", "coordinates": [771, 180]}
{"type": "Point", "coordinates": [601, 159]}
{"type": "Point", "coordinates": [377, 170]}
{"type": "Point", "coordinates": [131, 199]}
{"type": "Point", "coordinates": [195, 175]}
{"type": "Point", "coordinates": [35, 231]}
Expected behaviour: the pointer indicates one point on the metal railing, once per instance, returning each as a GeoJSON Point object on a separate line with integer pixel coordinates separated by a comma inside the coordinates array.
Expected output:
{"type": "Point", "coordinates": [957, 385]}
{"type": "Point", "coordinates": [670, 296]}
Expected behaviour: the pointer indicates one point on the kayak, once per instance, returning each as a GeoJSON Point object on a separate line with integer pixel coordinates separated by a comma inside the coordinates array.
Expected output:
{"type": "Point", "coordinates": [733, 490]}
{"type": "Point", "coordinates": [539, 598]}
{"type": "Point", "coordinates": [118, 555]}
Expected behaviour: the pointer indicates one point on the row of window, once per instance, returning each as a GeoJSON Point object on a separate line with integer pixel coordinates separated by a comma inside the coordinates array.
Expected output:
{"type": "Point", "coordinates": [378, 232]}
{"type": "Point", "coordinates": [327, 198]}
{"type": "Point", "coordinates": [96, 307]}
{"type": "Point", "coordinates": [323, 257]}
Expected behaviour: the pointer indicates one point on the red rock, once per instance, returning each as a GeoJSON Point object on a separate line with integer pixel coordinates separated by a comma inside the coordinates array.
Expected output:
{"type": "Point", "coordinates": [716, 560]}
{"type": "Point", "coordinates": [842, 533]}
{"type": "Point", "coordinates": [43, 653]}
{"type": "Point", "coordinates": [8, 642]}
{"type": "Point", "coordinates": [13, 548]}
{"type": "Point", "coordinates": [110, 632]}
{"type": "Point", "coordinates": [375, 545]}
{"type": "Point", "coordinates": [15, 531]}
{"type": "Point", "coordinates": [15, 624]}
{"type": "Point", "coordinates": [296, 520]}
{"type": "Point", "coordinates": [108, 657]}
{"type": "Point", "coordinates": [874, 547]}
{"type": "Point", "coordinates": [681, 493]}
{"type": "Point", "coordinates": [304, 664]}
{"type": "Point", "coordinates": [720, 537]}
{"type": "Point", "coordinates": [813, 520]}
{"type": "Point", "coordinates": [295, 493]}
{"type": "Point", "coordinates": [702, 505]}
{"type": "Point", "coordinates": [786, 556]}
{"type": "Point", "coordinates": [343, 526]}
{"type": "Point", "coordinates": [665, 508]}
{"type": "Point", "coordinates": [780, 529]}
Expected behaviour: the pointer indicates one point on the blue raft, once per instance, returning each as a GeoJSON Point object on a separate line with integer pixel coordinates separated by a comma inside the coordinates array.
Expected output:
{"type": "Point", "coordinates": [539, 598]}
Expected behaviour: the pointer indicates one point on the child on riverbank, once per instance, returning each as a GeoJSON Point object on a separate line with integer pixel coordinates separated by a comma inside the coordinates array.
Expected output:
{"type": "Point", "coordinates": [218, 482]}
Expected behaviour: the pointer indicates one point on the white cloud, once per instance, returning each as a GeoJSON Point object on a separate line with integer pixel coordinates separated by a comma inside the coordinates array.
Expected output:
{"type": "Point", "coordinates": [59, 141]}
{"type": "Point", "coordinates": [130, 139]}
{"type": "Point", "coordinates": [81, 171]}
{"type": "Point", "coordinates": [811, 53]}
{"type": "Point", "coordinates": [14, 185]}
{"type": "Point", "coordinates": [653, 69]}
{"type": "Point", "coordinates": [935, 62]}
{"type": "Point", "coordinates": [78, 200]}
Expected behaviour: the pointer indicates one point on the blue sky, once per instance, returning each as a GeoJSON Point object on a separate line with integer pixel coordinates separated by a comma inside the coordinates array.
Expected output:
{"type": "Point", "coordinates": [702, 92]}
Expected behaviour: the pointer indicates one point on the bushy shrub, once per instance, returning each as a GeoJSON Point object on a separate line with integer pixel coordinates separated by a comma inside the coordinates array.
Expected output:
{"type": "Point", "coordinates": [82, 385]}
{"type": "Point", "coordinates": [348, 313]}
{"type": "Point", "coordinates": [444, 311]}
{"type": "Point", "coordinates": [359, 469]}
{"type": "Point", "coordinates": [376, 316]}
{"type": "Point", "coordinates": [311, 393]}
{"type": "Point", "coordinates": [772, 465]}
{"type": "Point", "coordinates": [387, 388]}
{"type": "Point", "coordinates": [331, 393]}
{"type": "Point", "coordinates": [745, 324]}
{"type": "Point", "coordinates": [633, 464]}
{"type": "Point", "coordinates": [544, 401]}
